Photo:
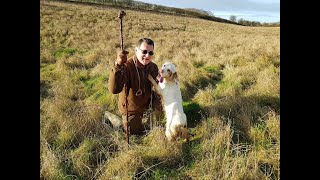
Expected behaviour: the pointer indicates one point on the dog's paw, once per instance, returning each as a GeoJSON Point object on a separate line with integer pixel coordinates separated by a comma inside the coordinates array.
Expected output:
{"type": "Point", "coordinates": [150, 77]}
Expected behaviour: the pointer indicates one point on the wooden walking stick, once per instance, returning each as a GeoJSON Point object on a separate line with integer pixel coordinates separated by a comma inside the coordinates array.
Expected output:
{"type": "Point", "coordinates": [121, 14]}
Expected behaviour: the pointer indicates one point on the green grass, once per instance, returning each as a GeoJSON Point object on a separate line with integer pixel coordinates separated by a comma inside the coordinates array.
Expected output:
{"type": "Point", "coordinates": [212, 69]}
{"type": "Point", "coordinates": [94, 83]}
{"type": "Point", "coordinates": [64, 52]}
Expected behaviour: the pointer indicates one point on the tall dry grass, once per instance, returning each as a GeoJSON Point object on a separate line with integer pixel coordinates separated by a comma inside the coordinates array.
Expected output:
{"type": "Point", "coordinates": [230, 83]}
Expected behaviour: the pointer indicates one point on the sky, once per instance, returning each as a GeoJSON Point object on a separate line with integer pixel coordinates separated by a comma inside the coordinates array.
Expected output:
{"type": "Point", "coordinates": [252, 10]}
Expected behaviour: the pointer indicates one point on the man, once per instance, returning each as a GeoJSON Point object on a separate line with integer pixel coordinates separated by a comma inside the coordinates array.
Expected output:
{"type": "Point", "coordinates": [134, 71]}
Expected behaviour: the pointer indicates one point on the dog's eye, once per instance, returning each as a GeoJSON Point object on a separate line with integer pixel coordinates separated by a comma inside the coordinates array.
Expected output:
{"type": "Point", "coordinates": [164, 65]}
{"type": "Point", "coordinates": [168, 70]}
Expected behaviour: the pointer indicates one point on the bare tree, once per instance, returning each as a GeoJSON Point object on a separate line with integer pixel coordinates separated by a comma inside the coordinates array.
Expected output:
{"type": "Point", "coordinates": [233, 18]}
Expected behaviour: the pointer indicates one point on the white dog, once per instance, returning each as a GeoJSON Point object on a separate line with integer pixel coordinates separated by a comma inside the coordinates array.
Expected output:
{"type": "Point", "coordinates": [169, 89]}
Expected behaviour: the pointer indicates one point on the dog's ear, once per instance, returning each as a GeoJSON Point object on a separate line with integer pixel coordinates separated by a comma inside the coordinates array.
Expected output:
{"type": "Point", "coordinates": [175, 77]}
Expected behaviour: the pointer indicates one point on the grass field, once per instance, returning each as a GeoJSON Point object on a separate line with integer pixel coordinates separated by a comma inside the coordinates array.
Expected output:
{"type": "Point", "coordinates": [230, 83]}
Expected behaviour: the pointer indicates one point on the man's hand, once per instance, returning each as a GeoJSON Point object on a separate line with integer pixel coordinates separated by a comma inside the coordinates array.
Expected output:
{"type": "Point", "coordinates": [122, 57]}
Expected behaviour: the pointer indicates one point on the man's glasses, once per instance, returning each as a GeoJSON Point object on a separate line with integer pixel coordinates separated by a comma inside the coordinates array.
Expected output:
{"type": "Point", "coordinates": [145, 52]}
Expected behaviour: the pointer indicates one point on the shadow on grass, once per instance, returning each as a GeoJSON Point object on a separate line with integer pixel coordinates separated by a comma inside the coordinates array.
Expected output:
{"type": "Point", "coordinates": [44, 89]}
{"type": "Point", "coordinates": [191, 88]}
{"type": "Point", "coordinates": [193, 112]}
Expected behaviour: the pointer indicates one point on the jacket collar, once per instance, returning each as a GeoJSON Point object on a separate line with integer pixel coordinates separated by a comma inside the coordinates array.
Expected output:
{"type": "Point", "coordinates": [139, 65]}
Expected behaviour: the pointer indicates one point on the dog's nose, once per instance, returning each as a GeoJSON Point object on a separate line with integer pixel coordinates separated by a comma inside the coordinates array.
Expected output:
{"type": "Point", "coordinates": [161, 70]}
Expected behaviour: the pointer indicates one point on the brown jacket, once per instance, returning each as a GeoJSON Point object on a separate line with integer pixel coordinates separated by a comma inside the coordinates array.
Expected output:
{"type": "Point", "coordinates": [117, 78]}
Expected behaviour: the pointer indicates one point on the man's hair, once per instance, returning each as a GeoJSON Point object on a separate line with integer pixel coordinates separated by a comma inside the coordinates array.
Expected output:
{"type": "Point", "coordinates": [146, 40]}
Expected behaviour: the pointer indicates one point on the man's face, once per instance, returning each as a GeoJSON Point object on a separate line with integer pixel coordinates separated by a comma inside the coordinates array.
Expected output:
{"type": "Point", "coordinates": [144, 59]}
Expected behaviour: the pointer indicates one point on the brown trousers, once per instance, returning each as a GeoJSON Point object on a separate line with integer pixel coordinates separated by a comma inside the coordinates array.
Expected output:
{"type": "Point", "coordinates": [135, 123]}
{"type": "Point", "coordinates": [135, 120]}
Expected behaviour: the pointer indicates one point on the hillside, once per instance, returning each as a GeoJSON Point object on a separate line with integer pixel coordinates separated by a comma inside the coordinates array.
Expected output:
{"type": "Point", "coordinates": [154, 8]}
{"type": "Point", "coordinates": [230, 83]}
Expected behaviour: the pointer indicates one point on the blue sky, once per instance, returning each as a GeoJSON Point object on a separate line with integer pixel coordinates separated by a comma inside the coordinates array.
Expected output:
{"type": "Point", "coordinates": [252, 10]}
